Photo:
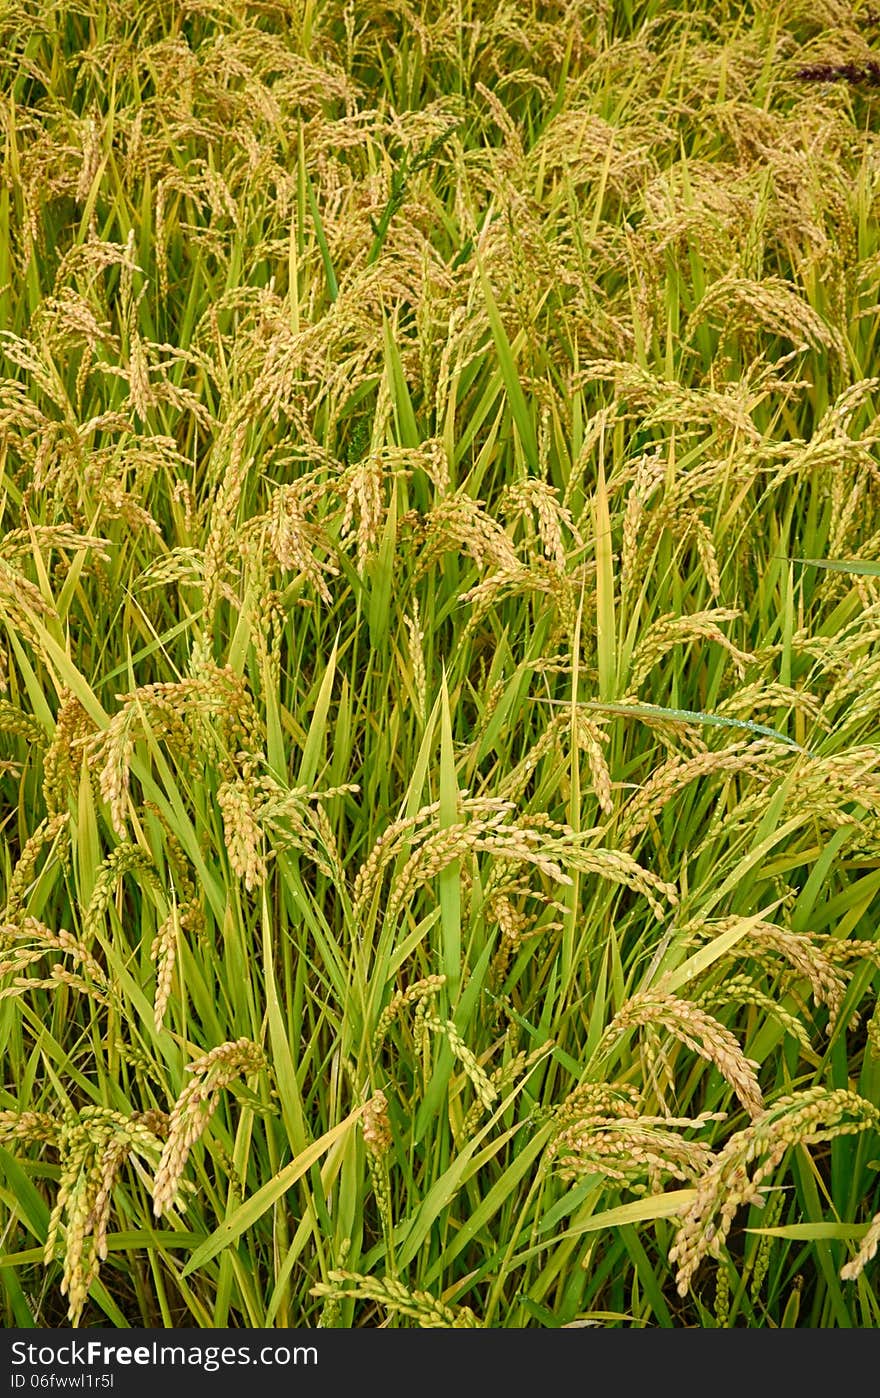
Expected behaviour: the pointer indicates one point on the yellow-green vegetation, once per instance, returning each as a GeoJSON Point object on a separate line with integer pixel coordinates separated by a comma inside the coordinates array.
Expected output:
{"type": "Point", "coordinates": [440, 637]}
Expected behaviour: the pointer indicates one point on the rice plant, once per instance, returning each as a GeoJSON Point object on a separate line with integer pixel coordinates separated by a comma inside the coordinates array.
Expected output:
{"type": "Point", "coordinates": [440, 663]}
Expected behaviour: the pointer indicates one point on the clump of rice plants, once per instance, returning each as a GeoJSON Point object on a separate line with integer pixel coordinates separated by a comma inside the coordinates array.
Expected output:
{"type": "Point", "coordinates": [440, 664]}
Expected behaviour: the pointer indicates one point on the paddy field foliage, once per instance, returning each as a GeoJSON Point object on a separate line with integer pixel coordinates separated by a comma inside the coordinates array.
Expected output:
{"type": "Point", "coordinates": [440, 663]}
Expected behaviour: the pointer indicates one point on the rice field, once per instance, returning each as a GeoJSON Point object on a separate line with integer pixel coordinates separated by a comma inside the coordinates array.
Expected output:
{"type": "Point", "coordinates": [440, 663]}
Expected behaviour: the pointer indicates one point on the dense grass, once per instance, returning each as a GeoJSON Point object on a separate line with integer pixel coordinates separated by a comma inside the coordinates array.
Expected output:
{"type": "Point", "coordinates": [440, 640]}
